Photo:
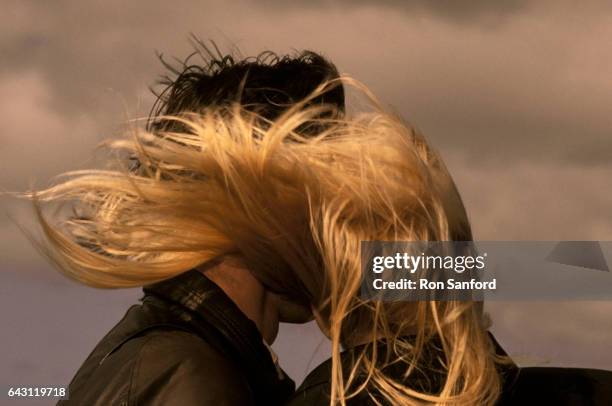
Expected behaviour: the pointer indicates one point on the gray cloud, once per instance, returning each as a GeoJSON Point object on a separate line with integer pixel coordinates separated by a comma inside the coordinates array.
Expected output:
{"type": "Point", "coordinates": [463, 12]}
{"type": "Point", "coordinates": [568, 334]}
{"type": "Point", "coordinates": [532, 200]}
{"type": "Point", "coordinates": [534, 87]}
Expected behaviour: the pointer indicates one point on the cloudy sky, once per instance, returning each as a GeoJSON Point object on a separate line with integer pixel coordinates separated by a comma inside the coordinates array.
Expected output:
{"type": "Point", "coordinates": [515, 94]}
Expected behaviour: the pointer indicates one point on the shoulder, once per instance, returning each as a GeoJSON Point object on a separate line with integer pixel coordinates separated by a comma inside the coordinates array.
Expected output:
{"type": "Point", "coordinates": [179, 367]}
{"type": "Point", "coordinates": [316, 387]}
{"type": "Point", "coordinates": [157, 367]}
{"type": "Point", "coordinates": [561, 386]}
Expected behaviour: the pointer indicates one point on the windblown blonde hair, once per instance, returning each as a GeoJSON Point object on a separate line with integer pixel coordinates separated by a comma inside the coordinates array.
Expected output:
{"type": "Point", "coordinates": [296, 209]}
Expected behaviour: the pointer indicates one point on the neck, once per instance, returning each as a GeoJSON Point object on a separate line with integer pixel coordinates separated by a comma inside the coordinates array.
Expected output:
{"type": "Point", "coordinates": [249, 295]}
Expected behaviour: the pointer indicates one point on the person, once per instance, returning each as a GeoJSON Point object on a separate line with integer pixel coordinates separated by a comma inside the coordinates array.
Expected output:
{"type": "Point", "coordinates": [245, 203]}
{"type": "Point", "coordinates": [185, 230]}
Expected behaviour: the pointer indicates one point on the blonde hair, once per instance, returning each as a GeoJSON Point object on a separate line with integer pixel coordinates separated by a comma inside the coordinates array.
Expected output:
{"type": "Point", "coordinates": [296, 208]}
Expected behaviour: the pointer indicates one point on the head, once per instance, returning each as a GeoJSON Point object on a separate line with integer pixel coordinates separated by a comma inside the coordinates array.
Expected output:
{"type": "Point", "coordinates": [256, 159]}
{"type": "Point", "coordinates": [266, 86]}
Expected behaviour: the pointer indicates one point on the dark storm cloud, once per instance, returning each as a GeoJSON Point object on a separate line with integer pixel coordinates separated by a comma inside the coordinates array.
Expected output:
{"type": "Point", "coordinates": [540, 76]}
{"type": "Point", "coordinates": [476, 11]}
{"type": "Point", "coordinates": [537, 88]}
{"type": "Point", "coordinates": [81, 52]}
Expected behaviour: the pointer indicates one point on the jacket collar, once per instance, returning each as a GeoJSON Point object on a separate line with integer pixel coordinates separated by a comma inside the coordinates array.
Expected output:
{"type": "Point", "coordinates": [204, 306]}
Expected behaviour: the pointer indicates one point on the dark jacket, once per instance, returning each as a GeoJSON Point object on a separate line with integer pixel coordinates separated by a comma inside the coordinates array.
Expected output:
{"type": "Point", "coordinates": [521, 386]}
{"type": "Point", "coordinates": [186, 344]}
